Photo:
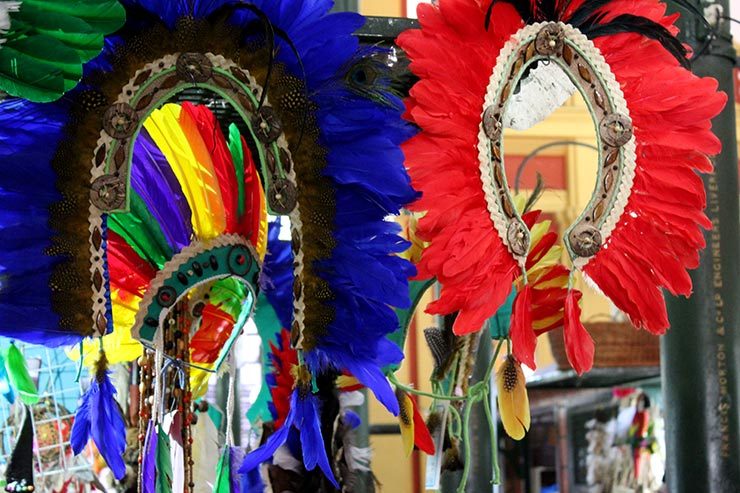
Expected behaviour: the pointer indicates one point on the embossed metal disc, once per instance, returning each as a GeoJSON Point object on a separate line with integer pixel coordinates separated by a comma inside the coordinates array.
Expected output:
{"type": "Point", "coordinates": [518, 238]}
{"type": "Point", "coordinates": [267, 125]}
{"type": "Point", "coordinates": [108, 193]}
{"type": "Point", "coordinates": [585, 240]}
{"type": "Point", "coordinates": [492, 122]}
{"type": "Point", "coordinates": [120, 121]}
{"type": "Point", "coordinates": [550, 40]}
{"type": "Point", "coordinates": [194, 67]}
{"type": "Point", "coordinates": [615, 129]}
{"type": "Point", "coordinates": [282, 196]}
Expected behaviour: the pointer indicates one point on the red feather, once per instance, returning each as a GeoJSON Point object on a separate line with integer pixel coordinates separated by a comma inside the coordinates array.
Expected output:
{"type": "Point", "coordinates": [422, 437]}
{"type": "Point", "coordinates": [523, 338]}
{"type": "Point", "coordinates": [129, 273]}
{"type": "Point", "coordinates": [284, 358]}
{"type": "Point", "coordinates": [210, 132]}
{"type": "Point", "coordinates": [215, 329]}
{"type": "Point", "coordinates": [579, 346]}
{"type": "Point", "coordinates": [253, 197]}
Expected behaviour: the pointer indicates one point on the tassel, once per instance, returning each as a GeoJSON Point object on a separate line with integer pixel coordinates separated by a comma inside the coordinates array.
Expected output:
{"type": "Point", "coordinates": [223, 473]}
{"type": "Point", "coordinates": [20, 379]}
{"type": "Point", "coordinates": [164, 463]}
{"type": "Point", "coordinates": [579, 346]}
{"type": "Point", "coordinates": [513, 402]}
{"type": "Point", "coordinates": [523, 338]}
{"type": "Point", "coordinates": [19, 474]}
{"type": "Point", "coordinates": [99, 418]}
{"type": "Point", "coordinates": [149, 460]}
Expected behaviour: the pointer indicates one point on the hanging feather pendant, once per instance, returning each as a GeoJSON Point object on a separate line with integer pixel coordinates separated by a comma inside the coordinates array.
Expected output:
{"type": "Point", "coordinates": [236, 456]}
{"type": "Point", "coordinates": [149, 460]}
{"type": "Point", "coordinates": [19, 474]}
{"type": "Point", "coordinates": [99, 418]}
{"type": "Point", "coordinates": [5, 388]}
{"type": "Point", "coordinates": [164, 463]}
{"type": "Point", "coordinates": [223, 473]}
{"type": "Point", "coordinates": [579, 346]}
{"type": "Point", "coordinates": [20, 379]}
{"type": "Point", "coordinates": [523, 338]}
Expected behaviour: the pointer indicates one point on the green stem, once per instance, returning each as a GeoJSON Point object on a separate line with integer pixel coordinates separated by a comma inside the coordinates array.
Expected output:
{"type": "Point", "coordinates": [494, 442]}
{"type": "Point", "coordinates": [487, 378]}
{"type": "Point", "coordinates": [466, 444]}
{"type": "Point", "coordinates": [411, 390]}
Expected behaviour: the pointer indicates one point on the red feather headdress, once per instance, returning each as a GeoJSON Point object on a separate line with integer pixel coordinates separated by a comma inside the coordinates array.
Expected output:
{"type": "Point", "coordinates": [642, 229]}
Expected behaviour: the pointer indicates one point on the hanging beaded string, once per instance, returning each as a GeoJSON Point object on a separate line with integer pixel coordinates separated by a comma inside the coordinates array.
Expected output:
{"type": "Point", "coordinates": [230, 401]}
{"type": "Point", "coordinates": [459, 428]}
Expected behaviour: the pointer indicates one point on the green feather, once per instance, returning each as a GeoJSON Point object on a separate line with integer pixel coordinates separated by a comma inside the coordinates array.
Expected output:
{"type": "Point", "coordinates": [71, 31]}
{"type": "Point", "coordinates": [50, 40]}
{"type": "Point", "coordinates": [223, 473]}
{"type": "Point", "coordinates": [142, 232]}
{"type": "Point", "coordinates": [237, 156]}
{"type": "Point", "coordinates": [20, 379]}
{"type": "Point", "coordinates": [268, 326]}
{"type": "Point", "coordinates": [164, 463]}
{"type": "Point", "coordinates": [104, 16]}
{"type": "Point", "coordinates": [416, 292]}
{"type": "Point", "coordinates": [229, 294]}
{"type": "Point", "coordinates": [498, 325]}
{"type": "Point", "coordinates": [39, 68]}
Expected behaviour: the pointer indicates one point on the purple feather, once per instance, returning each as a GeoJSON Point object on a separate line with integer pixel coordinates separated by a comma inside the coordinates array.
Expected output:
{"type": "Point", "coordinates": [149, 460]}
{"type": "Point", "coordinates": [236, 458]}
{"type": "Point", "coordinates": [155, 182]}
{"type": "Point", "coordinates": [99, 417]}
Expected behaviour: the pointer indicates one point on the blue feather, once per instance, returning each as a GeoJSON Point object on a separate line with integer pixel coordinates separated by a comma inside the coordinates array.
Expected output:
{"type": "Point", "coordinates": [26, 192]}
{"type": "Point", "coordinates": [352, 419]}
{"type": "Point", "coordinates": [304, 417]}
{"type": "Point", "coordinates": [99, 418]}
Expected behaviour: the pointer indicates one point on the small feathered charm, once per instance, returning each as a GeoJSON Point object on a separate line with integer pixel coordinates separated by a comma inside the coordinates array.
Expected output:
{"type": "Point", "coordinates": [20, 379]}
{"type": "Point", "coordinates": [99, 418]}
{"type": "Point", "coordinates": [513, 403]}
{"type": "Point", "coordinates": [414, 431]}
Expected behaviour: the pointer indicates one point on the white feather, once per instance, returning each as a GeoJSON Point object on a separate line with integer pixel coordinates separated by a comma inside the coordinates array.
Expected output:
{"type": "Point", "coordinates": [351, 399]}
{"type": "Point", "coordinates": [206, 453]}
{"type": "Point", "coordinates": [5, 9]}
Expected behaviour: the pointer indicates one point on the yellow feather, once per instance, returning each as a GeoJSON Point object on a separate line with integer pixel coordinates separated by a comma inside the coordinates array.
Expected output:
{"type": "Point", "coordinates": [196, 177]}
{"type": "Point", "coordinates": [513, 402]}
{"type": "Point", "coordinates": [119, 346]}
{"type": "Point", "coordinates": [406, 421]}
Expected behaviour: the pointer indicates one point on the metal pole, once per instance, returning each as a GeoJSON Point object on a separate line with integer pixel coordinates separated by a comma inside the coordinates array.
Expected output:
{"type": "Point", "coordinates": [700, 356]}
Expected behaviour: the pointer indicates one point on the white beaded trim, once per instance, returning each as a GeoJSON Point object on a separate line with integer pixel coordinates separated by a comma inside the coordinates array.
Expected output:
{"type": "Point", "coordinates": [500, 72]}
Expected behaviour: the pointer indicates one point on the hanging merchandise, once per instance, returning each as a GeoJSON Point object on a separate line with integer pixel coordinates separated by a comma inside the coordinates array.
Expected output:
{"type": "Point", "coordinates": [642, 228]}
{"type": "Point", "coordinates": [144, 196]}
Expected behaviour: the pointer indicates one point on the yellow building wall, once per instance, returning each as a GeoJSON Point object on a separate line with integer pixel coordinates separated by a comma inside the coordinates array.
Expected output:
{"type": "Point", "coordinates": [386, 8]}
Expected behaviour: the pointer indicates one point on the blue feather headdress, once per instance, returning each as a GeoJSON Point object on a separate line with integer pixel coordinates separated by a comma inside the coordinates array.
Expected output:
{"type": "Point", "coordinates": [327, 131]}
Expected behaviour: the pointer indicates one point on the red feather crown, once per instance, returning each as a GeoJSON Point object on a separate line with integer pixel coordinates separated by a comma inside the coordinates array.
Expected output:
{"type": "Point", "coordinates": [642, 229]}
